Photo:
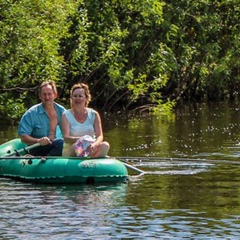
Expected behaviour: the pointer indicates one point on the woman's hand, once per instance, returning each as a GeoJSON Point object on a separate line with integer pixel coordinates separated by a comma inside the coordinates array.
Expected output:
{"type": "Point", "coordinates": [92, 148]}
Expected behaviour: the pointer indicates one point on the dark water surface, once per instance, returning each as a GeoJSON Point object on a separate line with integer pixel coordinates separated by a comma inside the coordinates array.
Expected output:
{"type": "Point", "coordinates": [190, 190]}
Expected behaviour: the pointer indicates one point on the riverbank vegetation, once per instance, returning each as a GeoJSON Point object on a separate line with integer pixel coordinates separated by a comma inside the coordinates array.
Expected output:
{"type": "Point", "coordinates": [133, 54]}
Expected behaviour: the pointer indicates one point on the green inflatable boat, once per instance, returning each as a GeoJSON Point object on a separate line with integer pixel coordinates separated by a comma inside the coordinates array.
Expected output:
{"type": "Point", "coordinates": [16, 163]}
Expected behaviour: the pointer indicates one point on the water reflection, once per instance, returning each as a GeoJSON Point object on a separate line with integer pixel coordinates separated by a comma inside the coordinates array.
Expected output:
{"type": "Point", "coordinates": [78, 194]}
{"type": "Point", "coordinates": [62, 211]}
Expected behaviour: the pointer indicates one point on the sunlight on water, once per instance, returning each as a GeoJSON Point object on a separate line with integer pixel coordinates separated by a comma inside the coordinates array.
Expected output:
{"type": "Point", "coordinates": [80, 212]}
{"type": "Point", "coordinates": [160, 167]}
{"type": "Point", "coordinates": [190, 189]}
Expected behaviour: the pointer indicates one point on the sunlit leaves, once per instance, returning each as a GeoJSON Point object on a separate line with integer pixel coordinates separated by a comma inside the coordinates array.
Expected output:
{"type": "Point", "coordinates": [30, 36]}
{"type": "Point", "coordinates": [130, 52]}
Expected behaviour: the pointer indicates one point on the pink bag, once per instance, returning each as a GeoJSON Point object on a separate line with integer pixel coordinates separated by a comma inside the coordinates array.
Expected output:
{"type": "Point", "coordinates": [82, 144]}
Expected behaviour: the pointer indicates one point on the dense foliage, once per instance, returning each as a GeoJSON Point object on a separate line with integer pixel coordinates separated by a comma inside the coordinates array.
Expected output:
{"type": "Point", "coordinates": [133, 54]}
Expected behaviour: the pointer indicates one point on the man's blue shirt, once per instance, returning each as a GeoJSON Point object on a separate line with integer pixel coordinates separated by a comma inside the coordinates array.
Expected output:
{"type": "Point", "coordinates": [36, 123]}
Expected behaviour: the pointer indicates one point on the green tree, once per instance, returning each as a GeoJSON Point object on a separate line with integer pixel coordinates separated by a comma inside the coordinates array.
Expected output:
{"type": "Point", "coordinates": [204, 37]}
{"type": "Point", "coordinates": [30, 35]}
{"type": "Point", "coordinates": [133, 54]}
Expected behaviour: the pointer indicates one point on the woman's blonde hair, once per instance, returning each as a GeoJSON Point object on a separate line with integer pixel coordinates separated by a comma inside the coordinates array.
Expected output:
{"type": "Point", "coordinates": [86, 90]}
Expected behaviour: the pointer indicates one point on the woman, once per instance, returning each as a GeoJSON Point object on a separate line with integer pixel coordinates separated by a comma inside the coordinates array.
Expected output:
{"type": "Point", "coordinates": [82, 121]}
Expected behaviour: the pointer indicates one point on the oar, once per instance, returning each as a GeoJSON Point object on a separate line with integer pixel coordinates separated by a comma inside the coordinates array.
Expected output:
{"type": "Point", "coordinates": [133, 168]}
{"type": "Point", "coordinates": [141, 172]}
{"type": "Point", "coordinates": [23, 149]}
{"type": "Point", "coordinates": [130, 166]}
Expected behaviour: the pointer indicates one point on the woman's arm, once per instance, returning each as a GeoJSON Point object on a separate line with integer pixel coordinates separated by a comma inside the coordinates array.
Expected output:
{"type": "Point", "coordinates": [98, 130]}
{"type": "Point", "coordinates": [66, 131]}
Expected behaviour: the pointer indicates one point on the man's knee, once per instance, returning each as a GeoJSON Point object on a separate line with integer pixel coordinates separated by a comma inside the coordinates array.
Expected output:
{"type": "Point", "coordinates": [57, 147]}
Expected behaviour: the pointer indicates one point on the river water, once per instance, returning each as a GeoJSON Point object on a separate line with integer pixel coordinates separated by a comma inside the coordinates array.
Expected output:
{"type": "Point", "coordinates": [190, 189]}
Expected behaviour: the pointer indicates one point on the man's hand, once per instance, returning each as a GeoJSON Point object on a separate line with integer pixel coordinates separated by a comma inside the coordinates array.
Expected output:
{"type": "Point", "coordinates": [44, 141]}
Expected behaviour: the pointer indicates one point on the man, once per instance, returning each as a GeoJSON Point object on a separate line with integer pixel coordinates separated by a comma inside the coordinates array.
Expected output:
{"type": "Point", "coordinates": [41, 123]}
